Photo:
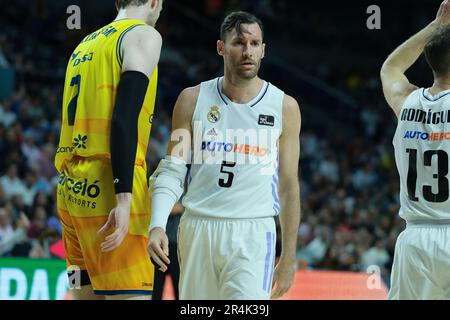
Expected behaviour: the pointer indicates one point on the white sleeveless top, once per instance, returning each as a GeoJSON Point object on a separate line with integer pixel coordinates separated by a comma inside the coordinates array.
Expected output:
{"type": "Point", "coordinates": [234, 171]}
{"type": "Point", "coordinates": [422, 148]}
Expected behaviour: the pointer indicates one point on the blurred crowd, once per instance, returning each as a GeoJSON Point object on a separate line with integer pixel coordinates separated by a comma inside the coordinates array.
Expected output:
{"type": "Point", "coordinates": [349, 183]}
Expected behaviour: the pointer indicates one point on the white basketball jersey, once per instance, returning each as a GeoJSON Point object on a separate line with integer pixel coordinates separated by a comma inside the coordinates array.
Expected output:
{"type": "Point", "coordinates": [234, 170]}
{"type": "Point", "coordinates": [422, 148]}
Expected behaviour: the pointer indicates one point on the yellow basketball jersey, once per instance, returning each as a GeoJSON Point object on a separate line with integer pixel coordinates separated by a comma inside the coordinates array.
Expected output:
{"type": "Point", "coordinates": [90, 89]}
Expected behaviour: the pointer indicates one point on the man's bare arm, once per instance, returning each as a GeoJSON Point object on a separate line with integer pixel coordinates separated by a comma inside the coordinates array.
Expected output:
{"type": "Point", "coordinates": [289, 191]}
{"type": "Point", "coordinates": [163, 200]}
{"type": "Point", "coordinates": [396, 86]}
{"type": "Point", "coordinates": [140, 50]}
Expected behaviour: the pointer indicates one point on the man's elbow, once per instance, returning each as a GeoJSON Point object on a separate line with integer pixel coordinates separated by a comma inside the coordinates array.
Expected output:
{"type": "Point", "coordinates": [388, 73]}
{"type": "Point", "coordinates": [385, 70]}
{"type": "Point", "coordinates": [290, 189]}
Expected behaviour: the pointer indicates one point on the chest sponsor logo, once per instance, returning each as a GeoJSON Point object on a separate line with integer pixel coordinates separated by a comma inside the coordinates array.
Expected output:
{"type": "Point", "coordinates": [426, 136]}
{"type": "Point", "coordinates": [266, 120]}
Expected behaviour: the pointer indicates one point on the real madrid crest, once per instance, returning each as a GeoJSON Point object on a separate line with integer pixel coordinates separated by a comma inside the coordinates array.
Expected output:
{"type": "Point", "coordinates": [214, 114]}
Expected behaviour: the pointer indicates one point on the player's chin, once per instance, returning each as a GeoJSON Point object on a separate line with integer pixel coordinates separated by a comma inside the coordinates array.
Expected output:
{"type": "Point", "coordinates": [248, 74]}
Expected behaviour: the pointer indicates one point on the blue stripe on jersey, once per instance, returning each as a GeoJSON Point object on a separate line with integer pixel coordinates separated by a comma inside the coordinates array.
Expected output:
{"type": "Point", "coordinates": [262, 96]}
{"type": "Point", "coordinates": [220, 93]}
{"type": "Point", "coordinates": [266, 265]}
{"type": "Point", "coordinates": [276, 200]}
{"type": "Point", "coordinates": [273, 263]}
{"type": "Point", "coordinates": [275, 178]}
{"type": "Point", "coordinates": [276, 208]}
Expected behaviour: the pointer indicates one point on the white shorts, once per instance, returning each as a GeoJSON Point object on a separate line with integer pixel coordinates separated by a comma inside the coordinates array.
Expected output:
{"type": "Point", "coordinates": [421, 268]}
{"type": "Point", "coordinates": [226, 259]}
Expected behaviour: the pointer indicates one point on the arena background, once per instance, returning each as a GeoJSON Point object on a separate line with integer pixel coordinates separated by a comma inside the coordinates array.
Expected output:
{"type": "Point", "coordinates": [320, 52]}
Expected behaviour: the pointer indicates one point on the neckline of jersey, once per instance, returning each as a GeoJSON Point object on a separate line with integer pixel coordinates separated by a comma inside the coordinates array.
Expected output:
{"type": "Point", "coordinates": [251, 103]}
{"type": "Point", "coordinates": [427, 95]}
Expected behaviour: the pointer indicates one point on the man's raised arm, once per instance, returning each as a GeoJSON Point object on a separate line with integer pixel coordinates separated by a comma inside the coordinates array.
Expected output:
{"type": "Point", "coordinates": [396, 86]}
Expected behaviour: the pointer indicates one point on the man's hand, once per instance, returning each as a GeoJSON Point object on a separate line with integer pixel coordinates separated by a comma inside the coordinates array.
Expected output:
{"type": "Point", "coordinates": [283, 277]}
{"type": "Point", "coordinates": [443, 15]}
{"type": "Point", "coordinates": [119, 217]}
{"type": "Point", "coordinates": [158, 248]}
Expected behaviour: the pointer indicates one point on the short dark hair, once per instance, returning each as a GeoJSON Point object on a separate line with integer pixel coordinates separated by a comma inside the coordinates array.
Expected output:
{"type": "Point", "coordinates": [125, 3]}
{"type": "Point", "coordinates": [437, 51]}
{"type": "Point", "coordinates": [234, 21]}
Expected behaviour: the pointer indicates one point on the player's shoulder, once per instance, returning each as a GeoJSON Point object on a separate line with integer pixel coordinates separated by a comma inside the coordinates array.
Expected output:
{"type": "Point", "coordinates": [143, 33]}
{"type": "Point", "coordinates": [290, 105]}
{"type": "Point", "coordinates": [186, 102]}
{"type": "Point", "coordinates": [146, 30]}
{"type": "Point", "coordinates": [190, 94]}
{"type": "Point", "coordinates": [291, 112]}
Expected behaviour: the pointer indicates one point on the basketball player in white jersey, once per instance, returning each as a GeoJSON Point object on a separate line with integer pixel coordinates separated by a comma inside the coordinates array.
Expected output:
{"type": "Point", "coordinates": [421, 268]}
{"type": "Point", "coordinates": [227, 237]}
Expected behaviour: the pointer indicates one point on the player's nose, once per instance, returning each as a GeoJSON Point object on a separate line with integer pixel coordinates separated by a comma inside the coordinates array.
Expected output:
{"type": "Point", "coordinates": [247, 52]}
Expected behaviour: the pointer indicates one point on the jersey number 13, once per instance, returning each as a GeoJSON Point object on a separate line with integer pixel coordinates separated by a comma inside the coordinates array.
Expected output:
{"type": "Point", "coordinates": [441, 176]}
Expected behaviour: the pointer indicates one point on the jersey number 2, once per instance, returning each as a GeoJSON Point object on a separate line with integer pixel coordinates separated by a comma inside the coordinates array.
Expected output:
{"type": "Point", "coordinates": [72, 107]}
{"type": "Point", "coordinates": [227, 183]}
{"type": "Point", "coordinates": [441, 176]}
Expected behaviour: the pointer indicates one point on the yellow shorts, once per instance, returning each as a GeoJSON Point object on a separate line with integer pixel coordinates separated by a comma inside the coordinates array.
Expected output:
{"type": "Point", "coordinates": [85, 198]}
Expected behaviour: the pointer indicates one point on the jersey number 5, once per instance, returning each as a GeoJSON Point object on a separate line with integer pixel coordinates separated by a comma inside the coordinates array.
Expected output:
{"type": "Point", "coordinates": [227, 183]}
{"type": "Point", "coordinates": [441, 176]}
{"type": "Point", "coordinates": [72, 107]}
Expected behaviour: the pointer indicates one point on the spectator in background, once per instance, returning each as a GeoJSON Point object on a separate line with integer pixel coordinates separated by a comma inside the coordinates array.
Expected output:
{"type": "Point", "coordinates": [11, 183]}
{"type": "Point", "coordinates": [42, 185]}
{"type": "Point", "coordinates": [31, 151]}
{"type": "Point", "coordinates": [45, 162]}
{"type": "Point", "coordinates": [377, 255]}
{"type": "Point", "coordinates": [10, 237]}
{"type": "Point", "coordinates": [41, 200]}
{"type": "Point", "coordinates": [53, 223]}
{"type": "Point", "coordinates": [2, 197]}
{"type": "Point", "coordinates": [3, 62]}
{"type": "Point", "coordinates": [364, 177]}
{"type": "Point", "coordinates": [38, 223]}
{"type": "Point", "coordinates": [315, 251]}
{"type": "Point", "coordinates": [18, 206]}
{"type": "Point", "coordinates": [7, 116]}
{"type": "Point", "coordinates": [41, 245]}
{"type": "Point", "coordinates": [29, 191]}
{"type": "Point", "coordinates": [329, 167]}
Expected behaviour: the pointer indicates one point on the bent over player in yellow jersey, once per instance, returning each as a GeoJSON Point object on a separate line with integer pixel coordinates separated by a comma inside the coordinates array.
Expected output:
{"type": "Point", "coordinates": [103, 202]}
